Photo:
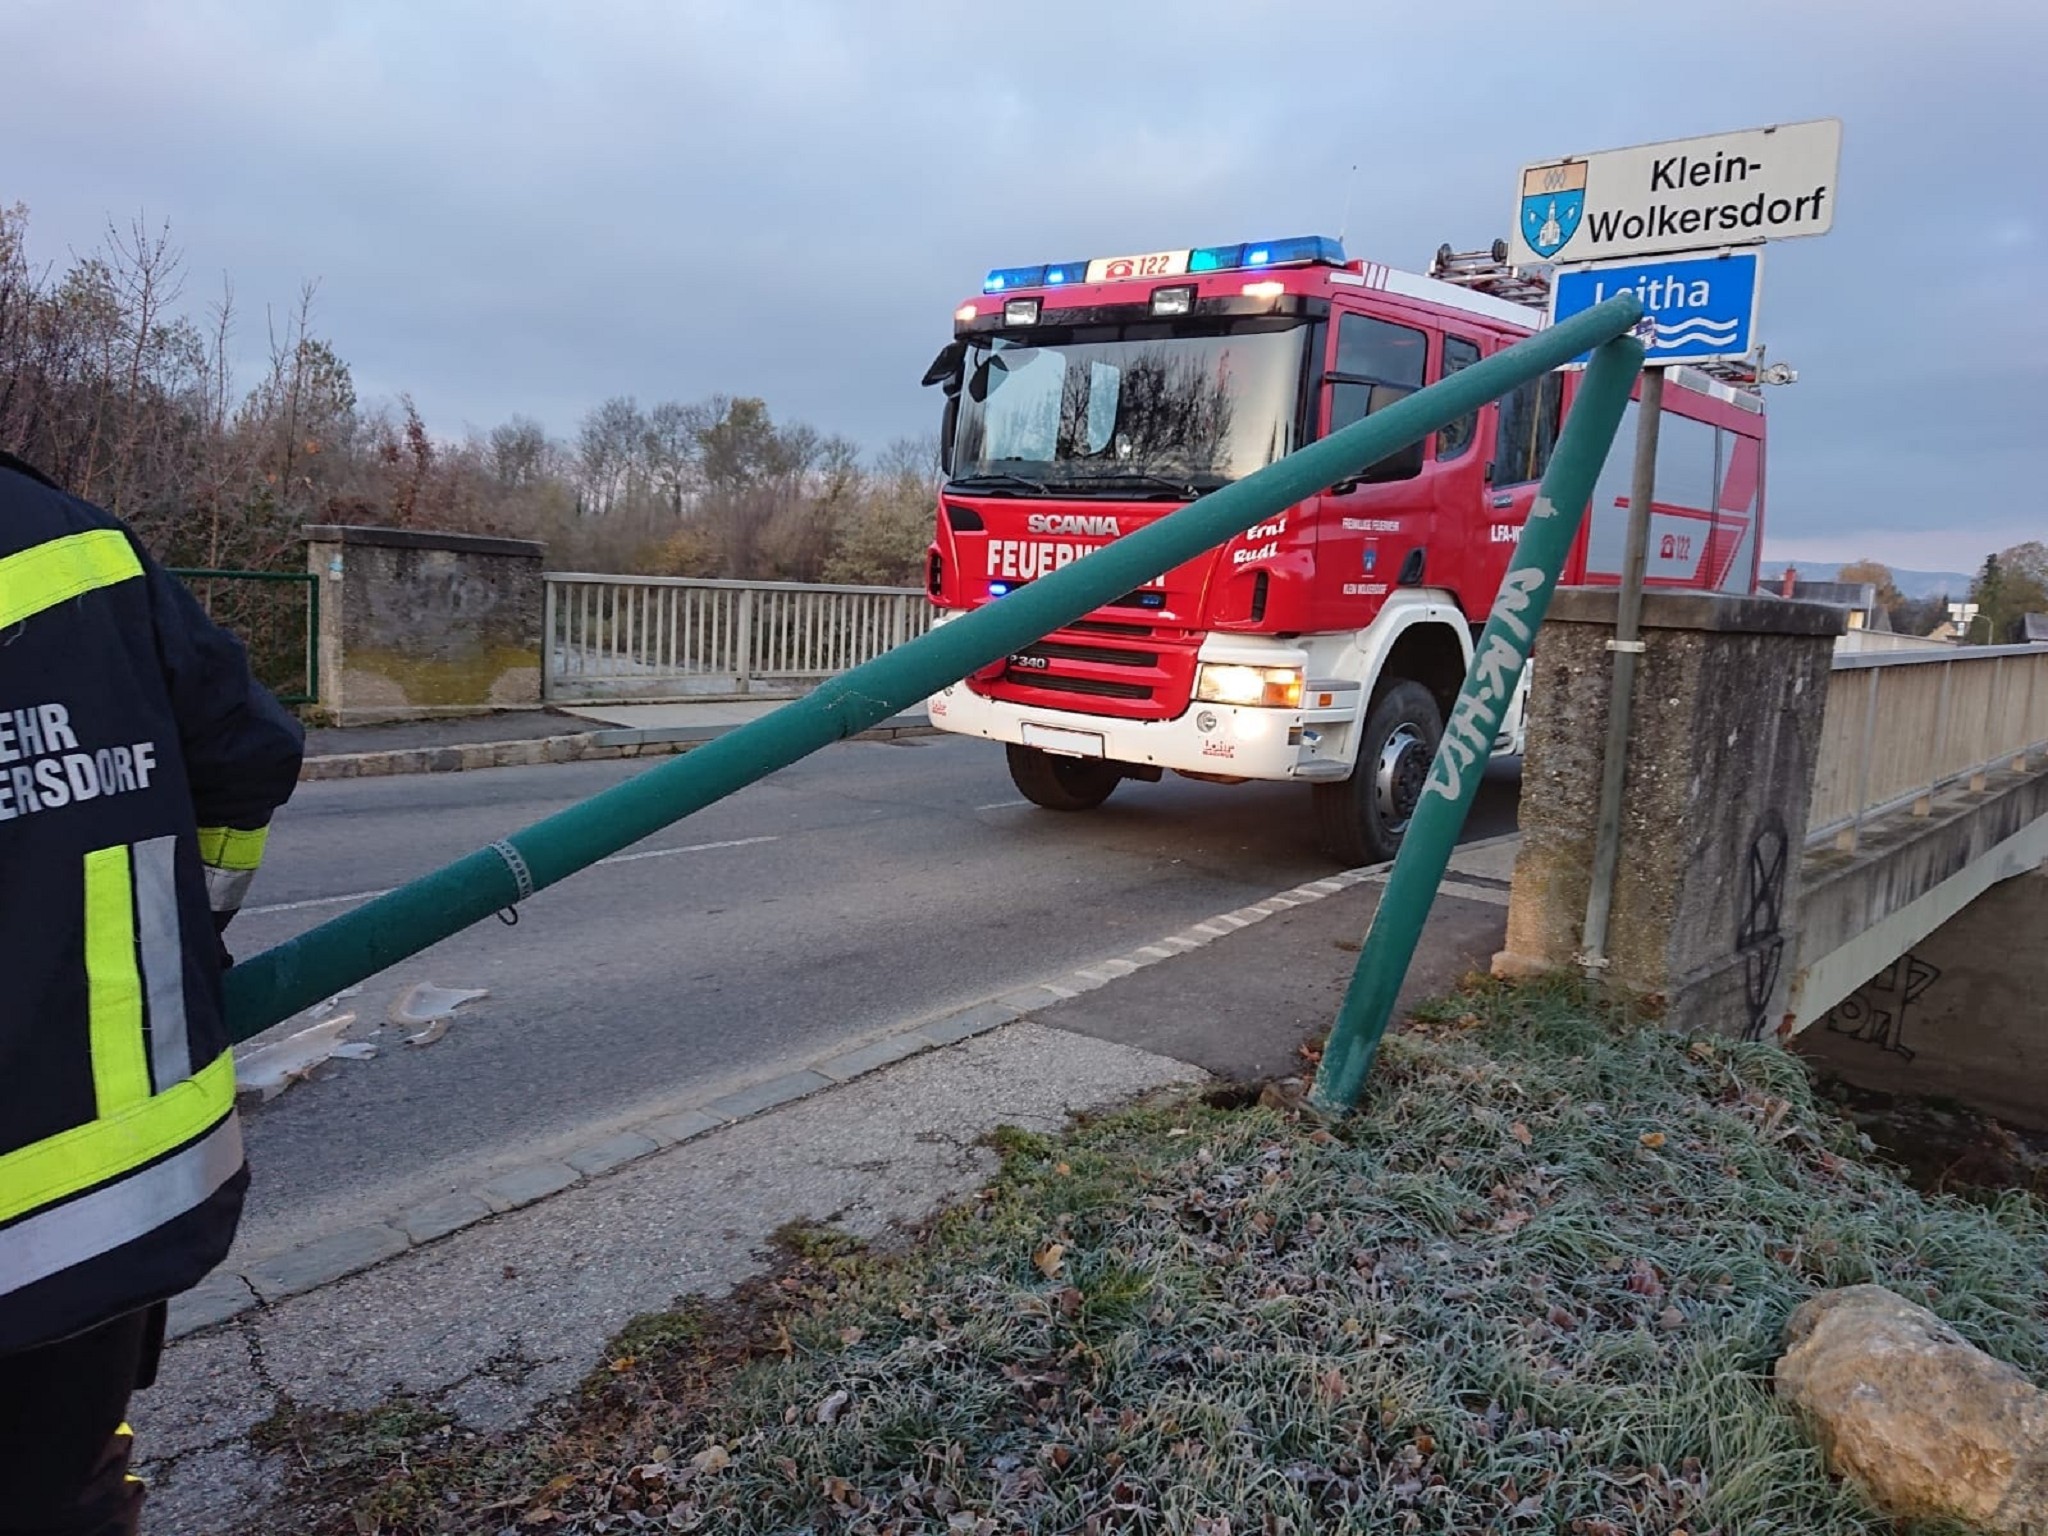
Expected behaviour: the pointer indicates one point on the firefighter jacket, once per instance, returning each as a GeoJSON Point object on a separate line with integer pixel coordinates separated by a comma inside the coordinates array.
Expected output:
{"type": "Point", "coordinates": [139, 767]}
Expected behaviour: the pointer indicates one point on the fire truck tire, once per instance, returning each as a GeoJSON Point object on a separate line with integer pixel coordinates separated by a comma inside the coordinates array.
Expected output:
{"type": "Point", "coordinates": [1362, 819]}
{"type": "Point", "coordinates": [1061, 783]}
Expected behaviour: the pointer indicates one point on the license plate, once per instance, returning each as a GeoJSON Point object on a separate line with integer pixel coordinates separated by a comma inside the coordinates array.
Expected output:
{"type": "Point", "coordinates": [1051, 738]}
{"type": "Point", "coordinates": [1114, 269]}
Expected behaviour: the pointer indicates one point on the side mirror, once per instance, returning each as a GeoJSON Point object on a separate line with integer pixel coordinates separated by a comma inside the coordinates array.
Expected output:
{"type": "Point", "coordinates": [1344, 487]}
{"type": "Point", "coordinates": [948, 420]}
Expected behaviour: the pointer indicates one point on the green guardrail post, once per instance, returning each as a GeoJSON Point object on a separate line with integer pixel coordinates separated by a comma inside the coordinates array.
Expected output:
{"type": "Point", "coordinates": [272, 986]}
{"type": "Point", "coordinates": [1497, 662]}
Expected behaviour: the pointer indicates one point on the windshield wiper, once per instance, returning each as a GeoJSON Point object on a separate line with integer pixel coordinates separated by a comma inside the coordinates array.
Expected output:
{"type": "Point", "coordinates": [999, 478]}
{"type": "Point", "coordinates": [1184, 490]}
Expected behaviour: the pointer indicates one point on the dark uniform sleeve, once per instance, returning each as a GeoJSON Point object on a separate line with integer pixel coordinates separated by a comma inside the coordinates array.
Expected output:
{"type": "Point", "coordinates": [241, 747]}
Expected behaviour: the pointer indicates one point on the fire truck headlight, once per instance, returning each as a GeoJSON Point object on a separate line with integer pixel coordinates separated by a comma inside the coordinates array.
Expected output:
{"type": "Point", "coordinates": [1230, 683]}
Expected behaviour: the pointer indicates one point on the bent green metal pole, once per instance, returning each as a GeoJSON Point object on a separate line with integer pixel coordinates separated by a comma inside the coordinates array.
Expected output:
{"type": "Point", "coordinates": [277, 983]}
{"type": "Point", "coordinates": [1461, 757]}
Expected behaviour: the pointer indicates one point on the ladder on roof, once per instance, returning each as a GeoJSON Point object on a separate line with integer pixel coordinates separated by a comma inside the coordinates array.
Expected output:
{"type": "Point", "coordinates": [1488, 272]}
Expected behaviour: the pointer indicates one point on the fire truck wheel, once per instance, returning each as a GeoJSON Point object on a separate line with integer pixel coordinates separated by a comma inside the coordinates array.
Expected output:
{"type": "Point", "coordinates": [1061, 783]}
{"type": "Point", "coordinates": [1362, 819]}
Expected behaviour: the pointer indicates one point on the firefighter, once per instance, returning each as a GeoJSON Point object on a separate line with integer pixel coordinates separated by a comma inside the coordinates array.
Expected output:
{"type": "Point", "coordinates": [139, 768]}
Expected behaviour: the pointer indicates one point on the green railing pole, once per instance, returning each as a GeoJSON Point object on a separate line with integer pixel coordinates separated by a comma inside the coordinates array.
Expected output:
{"type": "Point", "coordinates": [1497, 663]}
{"type": "Point", "coordinates": [279, 982]}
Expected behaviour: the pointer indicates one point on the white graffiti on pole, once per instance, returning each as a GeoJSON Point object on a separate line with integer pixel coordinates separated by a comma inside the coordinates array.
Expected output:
{"type": "Point", "coordinates": [1685, 195]}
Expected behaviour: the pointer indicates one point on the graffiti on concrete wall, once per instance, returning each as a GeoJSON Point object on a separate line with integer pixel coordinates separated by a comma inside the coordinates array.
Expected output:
{"type": "Point", "coordinates": [1876, 1012]}
{"type": "Point", "coordinates": [1760, 923]}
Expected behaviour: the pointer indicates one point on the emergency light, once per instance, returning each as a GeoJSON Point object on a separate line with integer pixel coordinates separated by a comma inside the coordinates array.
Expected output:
{"type": "Point", "coordinates": [1297, 250]}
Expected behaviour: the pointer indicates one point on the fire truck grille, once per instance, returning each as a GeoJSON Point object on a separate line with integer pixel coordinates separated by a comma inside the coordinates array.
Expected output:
{"type": "Point", "coordinates": [1098, 687]}
{"type": "Point", "coordinates": [1102, 655]}
{"type": "Point", "coordinates": [1103, 627]}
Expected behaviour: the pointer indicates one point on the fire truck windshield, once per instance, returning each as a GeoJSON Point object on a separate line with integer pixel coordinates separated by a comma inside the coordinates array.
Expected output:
{"type": "Point", "coordinates": [1128, 410]}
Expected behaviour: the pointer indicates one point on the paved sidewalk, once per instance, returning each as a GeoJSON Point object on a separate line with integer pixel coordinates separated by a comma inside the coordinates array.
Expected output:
{"type": "Point", "coordinates": [522, 738]}
{"type": "Point", "coordinates": [509, 1307]}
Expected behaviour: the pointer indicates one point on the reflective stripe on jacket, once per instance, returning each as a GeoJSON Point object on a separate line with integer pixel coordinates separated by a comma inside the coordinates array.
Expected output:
{"type": "Point", "coordinates": [127, 722]}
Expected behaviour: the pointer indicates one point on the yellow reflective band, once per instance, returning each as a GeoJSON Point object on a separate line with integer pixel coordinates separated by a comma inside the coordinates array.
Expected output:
{"type": "Point", "coordinates": [55, 572]}
{"type": "Point", "coordinates": [99, 1150]}
{"type": "Point", "coordinates": [113, 983]}
{"type": "Point", "coordinates": [230, 848]}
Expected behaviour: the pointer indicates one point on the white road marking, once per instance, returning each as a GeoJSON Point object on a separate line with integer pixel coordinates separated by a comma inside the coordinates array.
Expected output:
{"type": "Point", "coordinates": [662, 853]}
{"type": "Point", "coordinates": [1001, 805]}
{"type": "Point", "coordinates": [617, 858]}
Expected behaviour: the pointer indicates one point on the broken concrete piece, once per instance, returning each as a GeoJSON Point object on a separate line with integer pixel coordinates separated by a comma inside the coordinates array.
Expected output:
{"type": "Point", "coordinates": [1930, 1425]}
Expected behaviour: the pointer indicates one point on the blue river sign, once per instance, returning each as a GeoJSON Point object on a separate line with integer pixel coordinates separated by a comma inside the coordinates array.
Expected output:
{"type": "Point", "coordinates": [1696, 309]}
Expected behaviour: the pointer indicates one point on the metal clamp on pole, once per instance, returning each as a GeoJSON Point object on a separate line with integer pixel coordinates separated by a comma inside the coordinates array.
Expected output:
{"type": "Point", "coordinates": [1626, 646]}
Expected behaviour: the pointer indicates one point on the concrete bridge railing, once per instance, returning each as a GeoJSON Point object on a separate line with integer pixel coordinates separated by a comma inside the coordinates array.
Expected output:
{"type": "Point", "coordinates": [649, 637]}
{"type": "Point", "coordinates": [1901, 728]}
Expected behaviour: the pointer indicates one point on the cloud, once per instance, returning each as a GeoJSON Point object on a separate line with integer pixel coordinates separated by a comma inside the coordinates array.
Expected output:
{"type": "Point", "coordinates": [528, 207]}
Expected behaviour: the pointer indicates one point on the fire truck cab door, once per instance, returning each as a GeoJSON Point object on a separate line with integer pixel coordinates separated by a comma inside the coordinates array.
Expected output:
{"type": "Point", "coordinates": [1517, 435]}
{"type": "Point", "coordinates": [1369, 526]}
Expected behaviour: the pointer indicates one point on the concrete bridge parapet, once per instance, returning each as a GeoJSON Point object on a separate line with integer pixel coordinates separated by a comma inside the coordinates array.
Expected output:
{"type": "Point", "coordinates": [1727, 713]}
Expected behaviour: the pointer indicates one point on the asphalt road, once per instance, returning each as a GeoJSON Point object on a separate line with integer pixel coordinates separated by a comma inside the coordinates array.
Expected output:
{"type": "Point", "coordinates": [869, 885]}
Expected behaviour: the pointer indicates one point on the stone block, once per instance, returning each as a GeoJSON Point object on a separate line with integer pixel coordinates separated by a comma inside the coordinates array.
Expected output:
{"type": "Point", "coordinates": [449, 1213]}
{"type": "Point", "coordinates": [323, 1261]}
{"type": "Point", "coordinates": [667, 1130]}
{"type": "Point", "coordinates": [867, 1058]}
{"type": "Point", "coordinates": [212, 1301]}
{"type": "Point", "coordinates": [523, 1186]}
{"type": "Point", "coordinates": [777, 1090]}
{"type": "Point", "coordinates": [612, 1152]}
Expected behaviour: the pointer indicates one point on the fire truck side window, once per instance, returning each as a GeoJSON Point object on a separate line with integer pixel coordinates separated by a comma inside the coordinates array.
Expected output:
{"type": "Point", "coordinates": [1377, 364]}
{"type": "Point", "coordinates": [1528, 430]}
{"type": "Point", "coordinates": [1457, 437]}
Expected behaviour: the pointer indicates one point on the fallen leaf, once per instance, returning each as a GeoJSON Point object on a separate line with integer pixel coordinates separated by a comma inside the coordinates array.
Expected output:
{"type": "Point", "coordinates": [1671, 1319]}
{"type": "Point", "coordinates": [1062, 1169]}
{"type": "Point", "coordinates": [830, 1409]}
{"type": "Point", "coordinates": [851, 1336]}
{"type": "Point", "coordinates": [1049, 1258]}
{"type": "Point", "coordinates": [1059, 1456]}
{"type": "Point", "coordinates": [1652, 1139]}
{"type": "Point", "coordinates": [1333, 1385]}
{"type": "Point", "coordinates": [713, 1458]}
{"type": "Point", "coordinates": [625, 1363]}
{"type": "Point", "coordinates": [1521, 1133]}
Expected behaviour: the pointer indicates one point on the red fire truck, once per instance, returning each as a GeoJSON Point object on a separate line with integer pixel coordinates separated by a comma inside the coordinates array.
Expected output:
{"type": "Point", "coordinates": [1326, 646]}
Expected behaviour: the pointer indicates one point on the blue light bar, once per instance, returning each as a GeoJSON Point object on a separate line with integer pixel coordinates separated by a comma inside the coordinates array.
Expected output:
{"type": "Point", "coordinates": [1319, 250]}
{"type": "Point", "coordinates": [1005, 278]}
{"type": "Point", "coordinates": [1297, 250]}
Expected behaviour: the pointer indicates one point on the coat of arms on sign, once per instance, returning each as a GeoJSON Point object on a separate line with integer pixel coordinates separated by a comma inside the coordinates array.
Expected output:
{"type": "Point", "coordinates": [1553, 201]}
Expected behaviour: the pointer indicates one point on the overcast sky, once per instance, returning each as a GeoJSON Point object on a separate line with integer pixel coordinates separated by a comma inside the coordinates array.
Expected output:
{"type": "Point", "coordinates": [512, 206]}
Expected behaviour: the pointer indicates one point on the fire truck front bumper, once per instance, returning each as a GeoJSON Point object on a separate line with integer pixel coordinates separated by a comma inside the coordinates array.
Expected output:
{"type": "Point", "coordinates": [1216, 740]}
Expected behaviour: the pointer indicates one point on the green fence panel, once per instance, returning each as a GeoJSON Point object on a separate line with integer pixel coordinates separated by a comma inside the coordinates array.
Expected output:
{"type": "Point", "coordinates": [279, 982]}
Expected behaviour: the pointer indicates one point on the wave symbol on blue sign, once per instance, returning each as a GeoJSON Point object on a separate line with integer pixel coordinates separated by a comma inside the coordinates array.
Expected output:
{"type": "Point", "coordinates": [1694, 330]}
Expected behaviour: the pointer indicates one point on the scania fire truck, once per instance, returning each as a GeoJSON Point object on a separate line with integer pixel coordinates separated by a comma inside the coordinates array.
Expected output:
{"type": "Point", "coordinates": [1084, 399]}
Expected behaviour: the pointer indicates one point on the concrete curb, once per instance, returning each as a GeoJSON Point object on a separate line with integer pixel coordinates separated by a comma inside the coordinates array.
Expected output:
{"type": "Point", "coordinates": [573, 747]}
{"type": "Point", "coordinates": [272, 1277]}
